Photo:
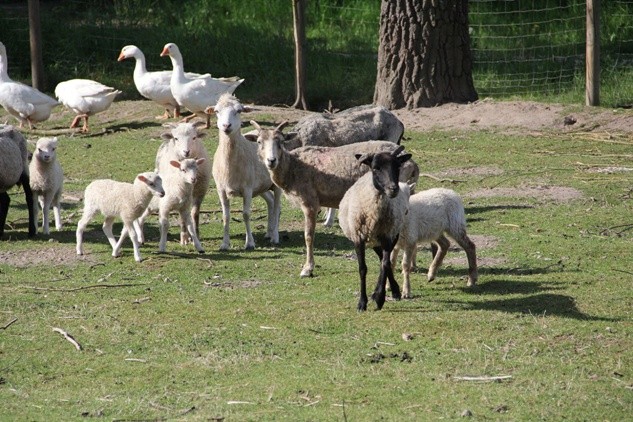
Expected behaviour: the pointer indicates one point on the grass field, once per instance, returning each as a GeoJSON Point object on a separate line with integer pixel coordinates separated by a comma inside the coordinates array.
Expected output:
{"type": "Point", "coordinates": [237, 335]}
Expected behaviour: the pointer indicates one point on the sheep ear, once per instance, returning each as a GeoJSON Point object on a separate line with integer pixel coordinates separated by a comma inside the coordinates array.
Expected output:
{"type": "Point", "coordinates": [250, 136]}
{"type": "Point", "coordinates": [166, 136]}
{"type": "Point", "coordinates": [142, 178]}
{"type": "Point", "coordinates": [256, 125]}
{"type": "Point", "coordinates": [281, 125]}
{"type": "Point", "coordinates": [403, 158]}
{"type": "Point", "coordinates": [364, 158]}
{"type": "Point", "coordinates": [397, 151]}
{"type": "Point", "coordinates": [200, 161]}
{"type": "Point", "coordinates": [175, 163]}
{"type": "Point", "coordinates": [200, 125]}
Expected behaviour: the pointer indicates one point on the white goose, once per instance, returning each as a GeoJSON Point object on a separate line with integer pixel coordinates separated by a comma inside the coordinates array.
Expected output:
{"type": "Point", "coordinates": [25, 103]}
{"type": "Point", "coordinates": [153, 85]}
{"type": "Point", "coordinates": [85, 98]}
{"type": "Point", "coordinates": [196, 94]}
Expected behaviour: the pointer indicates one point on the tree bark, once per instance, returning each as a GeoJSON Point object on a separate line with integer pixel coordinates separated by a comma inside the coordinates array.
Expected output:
{"type": "Point", "coordinates": [35, 37]}
{"type": "Point", "coordinates": [424, 57]}
{"type": "Point", "coordinates": [298, 13]}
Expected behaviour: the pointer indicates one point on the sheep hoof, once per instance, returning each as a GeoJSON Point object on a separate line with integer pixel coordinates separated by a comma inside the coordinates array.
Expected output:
{"type": "Point", "coordinates": [306, 273]}
{"type": "Point", "coordinates": [201, 251]}
{"type": "Point", "coordinates": [249, 247]}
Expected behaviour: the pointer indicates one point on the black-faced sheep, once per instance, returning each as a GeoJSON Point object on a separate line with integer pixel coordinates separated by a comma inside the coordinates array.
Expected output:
{"type": "Point", "coordinates": [14, 169]}
{"type": "Point", "coordinates": [312, 177]}
{"type": "Point", "coordinates": [433, 214]}
{"type": "Point", "coordinates": [373, 212]}
{"type": "Point", "coordinates": [47, 180]}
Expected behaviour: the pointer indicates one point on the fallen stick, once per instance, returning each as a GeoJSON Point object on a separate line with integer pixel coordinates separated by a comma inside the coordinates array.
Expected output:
{"type": "Point", "coordinates": [68, 337]}
{"type": "Point", "coordinates": [484, 378]}
{"type": "Point", "coordinates": [8, 324]}
{"type": "Point", "coordinates": [74, 289]}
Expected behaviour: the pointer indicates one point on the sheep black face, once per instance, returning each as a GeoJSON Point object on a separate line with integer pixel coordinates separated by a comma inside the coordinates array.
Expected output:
{"type": "Point", "coordinates": [385, 169]}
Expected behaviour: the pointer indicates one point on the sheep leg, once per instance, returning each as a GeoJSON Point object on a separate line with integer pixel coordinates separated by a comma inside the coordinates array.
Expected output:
{"type": "Point", "coordinates": [116, 249]}
{"type": "Point", "coordinates": [226, 218]}
{"type": "Point", "coordinates": [310, 214]}
{"type": "Point", "coordinates": [31, 204]}
{"type": "Point", "coordinates": [186, 217]}
{"type": "Point", "coordinates": [5, 200]}
{"type": "Point", "coordinates": [470, 249]}
{"type": "Point", "coordinates": [362, 272]}
{"type": "Point", "coordinates": [45, 204]}
{"type": "Point", "coordinates": [246, 214]}
{"type": "Point", "coordinates": [408, 260]}
{"type": "Point", "coordinates": [38, 204]}
{"type": "Point", "coordinates": [81, 227]}
{"type": "Point", "coordinates": [273, 206]}
{"type": "Point", "coordinates": [107, 229]}
{"type": "Point", "coordinates": [163, 222]}
{"type": "Point", "coordinates": [442, 248]}
{"type": "Point", "coordinates": [185, 238]}
{"type": "Point", "coordinates": [138, 226]}
{"type": "Point", "coordinates": [57, 211]}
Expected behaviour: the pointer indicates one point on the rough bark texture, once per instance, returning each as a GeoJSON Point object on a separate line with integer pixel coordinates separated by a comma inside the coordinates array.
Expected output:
{"type": "Point", "coordinates": [424, 57]}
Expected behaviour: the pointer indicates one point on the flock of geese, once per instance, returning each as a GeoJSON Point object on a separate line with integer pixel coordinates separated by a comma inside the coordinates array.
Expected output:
{"type": "Point", "coordinates": [171, 89]}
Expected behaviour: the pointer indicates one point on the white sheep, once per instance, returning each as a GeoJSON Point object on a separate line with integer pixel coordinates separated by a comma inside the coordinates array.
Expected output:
{"type": "Point", "coordinates": [14, 169]}
{"type": "Point", "coordinates": [126, 201]}
{"type": "Point", "coordinates": [47, 180]}
{"type": "Point", "coordinates": [178, 181]}
{"type": "Point", "coordinates": [372, 212]}
{"type": "Point", "coordinates": [312, 177]}
{"type": "Point", "coordinates": [238, 172]}
{"type": "Point", "coordinates": [433, 215]}
{"type": "Point", "coordinates": [184, 140]}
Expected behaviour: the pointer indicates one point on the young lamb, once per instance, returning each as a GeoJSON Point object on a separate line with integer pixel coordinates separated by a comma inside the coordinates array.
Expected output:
{"type": "Point", "coordinates": [14, 169]}
{"type": "Point", "coordinates": [373, 212]}
{"type": "Point", "coordinates": [184, 140]}
{"type": "Point", "coordinates": [238, 172]}
{"type": "Point", "coordinates": [47, 179]}
{"type": "Point", "coordinates": [433, 214]}
{"type": "Point", "coordinates": [179, 181]}
{"type": "Point", "coordinates": [312, 177]}
{"type": "Point", "coordinates": [118, 199]}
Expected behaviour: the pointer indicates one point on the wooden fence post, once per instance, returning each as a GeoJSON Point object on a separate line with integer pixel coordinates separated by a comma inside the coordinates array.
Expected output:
{"type": "Point", "coordinates": [35, 37]}
{"type": "Point", "coordinates": [592, 88]}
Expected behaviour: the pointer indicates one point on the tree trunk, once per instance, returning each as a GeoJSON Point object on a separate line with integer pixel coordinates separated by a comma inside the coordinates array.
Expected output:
{"type": "Point", "coordinates": [35, 37]}
{"type": "Point", "coordinates": [298, 13]}
{"type": "Point", "coordinates": [424, 57]}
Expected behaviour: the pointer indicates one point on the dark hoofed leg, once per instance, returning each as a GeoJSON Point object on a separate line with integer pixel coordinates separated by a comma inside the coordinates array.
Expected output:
{"type": "Point", "coordinates": [5, 200]}
{"type": "Point", "coordinates": [381, 289]}
{"type": "Point", "coordinates": [362, 271]}
{"type": "Point", "coordinates": [28, 194]}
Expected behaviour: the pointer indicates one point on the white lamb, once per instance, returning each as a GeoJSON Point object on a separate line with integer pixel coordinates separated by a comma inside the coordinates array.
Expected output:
{"type": "Point", "coordinates": [373, 212]}
{"type": "Point", "coordinates": [238, 172]}
{"type": "Point", "coordinates": [184, 140]}
{"type": "Point", "coordinates": [118, 199]}
{"type": "Point", "coordinates": [433, 214]}
{"type": "Point", "coordinates": [178, 180]}
{"type": "Point", "coordinates": [14, 170]}
{"type": "Point", "coordinates": [312, 177]}
{"type": "Point", "coordinates": [47, 180]}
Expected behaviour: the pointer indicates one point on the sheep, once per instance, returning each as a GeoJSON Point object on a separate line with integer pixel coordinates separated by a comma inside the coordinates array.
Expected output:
{"type": "Point", "coordinates": [314, 176]}
{"type": "Point", "coordinates": [178, 181]}
{"type": "Point", "coordinates": [372, 212]}
{"type": "Point", "coordinates": [356, 124]}
{"type": "Point", "coordinates": [14, 169]}
{"type": "Point", "coordinates": [238, 172]}
{"type": "Point", "coordinates": [118, 199]}
{"type": "Point", "coordinates": [47, 180]}
{"type": "Point", "coordinates": [433, 214]}
{"type": "Point", "coordinates": [184, 140]}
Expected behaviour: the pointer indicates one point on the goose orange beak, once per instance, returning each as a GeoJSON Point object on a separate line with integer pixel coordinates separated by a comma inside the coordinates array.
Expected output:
{"type": "Point", "coordinates": [165, 52]}
{"type": "Point", "coordinates": [121, 57]}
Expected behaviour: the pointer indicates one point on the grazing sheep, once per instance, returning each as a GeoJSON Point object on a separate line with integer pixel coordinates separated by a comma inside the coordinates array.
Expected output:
{"type": "Point", "coordinates": [184, 140]}
{"type": "Point", "coordinates": [373, 212]}
{"type": "Point", "coordinates": [178, 181]}
{"type": "Point", "coordinates": [312, 177]}
{"type": "Point", "coordinates": [238, 172]}
{"type": "Point", "coordinates": [47, 180]}
{"type": "Point", "coordinates": [433, 214]}
{"type": "Point", "coordinates": [118, 199]}
{"type": "Point", "coordinates": [14, 169]}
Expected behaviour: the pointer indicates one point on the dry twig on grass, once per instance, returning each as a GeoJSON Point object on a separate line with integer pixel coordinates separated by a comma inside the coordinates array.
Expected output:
{"type": "Point", "coordinates": [484, 378]}
{"type": "Point", "coordinates": [8, 324]}
{"type": "Point", "coordinates": [68, 337]}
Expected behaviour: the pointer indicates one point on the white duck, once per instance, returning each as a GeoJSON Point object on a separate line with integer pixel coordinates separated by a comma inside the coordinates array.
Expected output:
{"type": "Point", "coordinates": [25, 103]}
{"type": "Point", "coordinates": [153, 85]}
{"type": "Point", "coordinates": [85, 97]}
{"type": "Point", "coordinates": [196, 94]}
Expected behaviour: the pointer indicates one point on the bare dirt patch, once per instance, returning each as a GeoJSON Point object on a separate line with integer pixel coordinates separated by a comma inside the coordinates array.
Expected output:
{"type": "Point", "coordinates": [547, 193]}
{"type": "Point", "coordinates": [52, 255]}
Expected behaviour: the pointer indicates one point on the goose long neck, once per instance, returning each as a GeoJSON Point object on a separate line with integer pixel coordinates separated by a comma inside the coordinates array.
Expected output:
{"type": "Point", "coordinates": [4, 74]}
{"type": "Point", "coordinates": [139, 67]}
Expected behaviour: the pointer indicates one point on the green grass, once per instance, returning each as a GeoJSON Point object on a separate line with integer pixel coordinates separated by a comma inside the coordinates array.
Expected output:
{"type": "Point", "coordinates": [239, 336]}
